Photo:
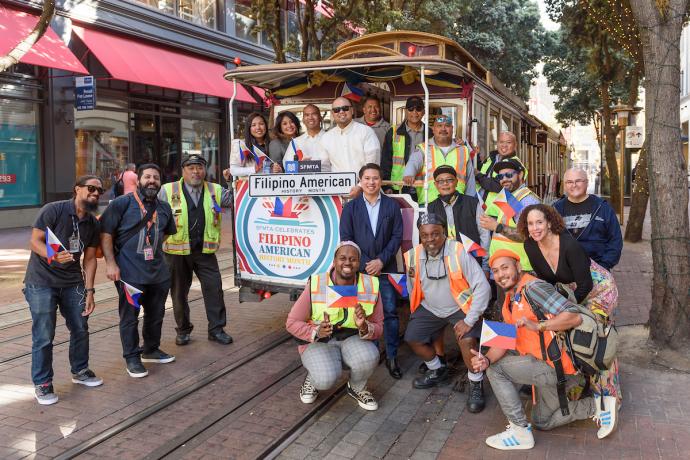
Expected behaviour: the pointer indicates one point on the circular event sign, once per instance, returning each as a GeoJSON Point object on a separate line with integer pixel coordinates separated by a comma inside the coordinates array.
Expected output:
{"type": "Point", "coordinates": [286, 237]}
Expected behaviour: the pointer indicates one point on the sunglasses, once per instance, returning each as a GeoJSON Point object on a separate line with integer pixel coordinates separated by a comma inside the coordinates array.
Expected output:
{"type": "Point", "coordinates": [344, 108]}
{"type": "Point", "coordinates": [508, 175]}
{"type": "Point", "coordinates": [416, 108]}
{"type": "Point", "coordinates": [93, 188]}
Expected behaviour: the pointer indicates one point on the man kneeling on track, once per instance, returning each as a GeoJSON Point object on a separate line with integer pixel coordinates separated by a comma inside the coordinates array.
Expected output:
{"type": "Point", "coordinates": [524, 293]}
{"type": "Point", "coordinates": [336, 319]}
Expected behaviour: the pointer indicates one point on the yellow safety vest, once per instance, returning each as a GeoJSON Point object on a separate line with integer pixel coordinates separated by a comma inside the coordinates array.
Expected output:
{"type": "Point", "coordinates": [367, 296]}
{"type": "Point", "coordinates": [457, 158]}
{"type": "Point", "coordinates": [179, 242]}
{"type": "Point", "coordinates": [490, 196]}
{"type": "Point", "coordinates": [499, 241]}
{"type": "Point", "coordinates": [398, 169]}
{"type": "Point", "coordinates": [459, 287]}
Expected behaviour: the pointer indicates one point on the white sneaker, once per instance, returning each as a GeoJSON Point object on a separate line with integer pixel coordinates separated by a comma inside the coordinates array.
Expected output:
{"type": "Point", "coordinates": [513, 438]}
{"type": "Point", "coordinates": [605, 417]}
{"type": "Point", "coordinates": [363, 397]}
{"type": "Point", "coordinates": [308, 394]}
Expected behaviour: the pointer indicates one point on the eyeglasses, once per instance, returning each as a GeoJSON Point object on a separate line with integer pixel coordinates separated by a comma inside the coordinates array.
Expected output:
{"type": "Point", "coordinates": [344, 108]}
{"type": "Point", "coordinates": [93, 188]}
{"type": "Point", "coordinates": [416, 108]}
{"type": "Point", "coordinates": [575, 182]}
{"type": "Point", "coordinates": [443, 264]}
{"type": "Point", "coordinates": [508, 175]}
{"type": "Point", "coordinates": [445, 181]}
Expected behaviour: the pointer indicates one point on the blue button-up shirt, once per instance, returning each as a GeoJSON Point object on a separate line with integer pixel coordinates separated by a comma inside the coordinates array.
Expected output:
{"type": "Point", "coordinates": [373, 211]}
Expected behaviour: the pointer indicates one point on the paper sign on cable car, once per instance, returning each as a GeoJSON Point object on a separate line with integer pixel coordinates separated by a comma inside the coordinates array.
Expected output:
{"type": "Point", "coordinates": [317, 184]}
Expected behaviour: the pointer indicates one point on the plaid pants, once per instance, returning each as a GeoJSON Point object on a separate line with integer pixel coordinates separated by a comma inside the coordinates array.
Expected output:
{"type": "Point", "coordinates": [324, 361]}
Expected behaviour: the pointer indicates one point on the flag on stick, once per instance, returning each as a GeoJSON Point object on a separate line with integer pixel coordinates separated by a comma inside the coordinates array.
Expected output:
{"type": "Point", "coordinates": [342, 296]}
{"type": "Point", "coordinates": [471, 247]}
{"type": "Point", "coordinates": [508, 204]}
{"type": "Point", "coordinates": [53, 245]}
{"type": "Point", "coordinates": [254, 153]}
{"type": "Point", "coordinates": [499, 335]}
{"type": "Point", "coordinates": [298, 154]}
{"type": "Point", "coordinates": [132, 294]}
{"type": "Point", "coordinates": [399, 282]}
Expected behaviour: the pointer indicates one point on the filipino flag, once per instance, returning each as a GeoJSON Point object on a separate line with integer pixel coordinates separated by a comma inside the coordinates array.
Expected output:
{"type": "Point", "coordinates": [399, 282]}
{"type": "Point", "coordinates": [254, 153]}
{"type": "Point", "coordinates": [471, 247]}
{"type": "Point", "coordinates": [351, 92]}
{"type": "Point", "coordinates": [342, 296]}
{"type": "Point", "coordinates": [281, 209]}
{"type": "Point", "coordinates": [510, 206]}
{"type": "Point", "coordinates": [499, 335]}
{"type": "Point", "coordinates": [132, 294]}
{"type": "Point", "coordinates": [298, 154]}
{"type": "Point", "coordinates": [53, 245]}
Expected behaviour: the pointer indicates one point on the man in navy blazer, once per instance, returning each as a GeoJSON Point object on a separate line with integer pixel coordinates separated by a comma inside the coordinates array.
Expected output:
{"type": "Point", "coordinates": [373, 221]}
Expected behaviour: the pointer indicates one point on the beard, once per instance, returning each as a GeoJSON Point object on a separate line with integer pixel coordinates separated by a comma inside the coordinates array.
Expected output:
{"type": "Point", "coordinates": [150, 192]}
{"type": "Point", "coordinates": [89, 206]}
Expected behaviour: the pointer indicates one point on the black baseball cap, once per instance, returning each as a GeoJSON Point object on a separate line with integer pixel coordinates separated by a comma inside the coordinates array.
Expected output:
{"type": "Point", "coordinates": [511, 163]}
{"type": "Point", "coordinates": [414, 101]}
{"type": "Point", "coordinates": [193, 159]}
{"type": "Point", "coordinates": [445, 169]}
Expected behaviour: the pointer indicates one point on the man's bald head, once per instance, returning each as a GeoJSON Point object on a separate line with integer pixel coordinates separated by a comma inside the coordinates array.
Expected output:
{"type": "Point", "coordinates": [575, 185]}
{"type": "Point", "coordinates": [342, 112]}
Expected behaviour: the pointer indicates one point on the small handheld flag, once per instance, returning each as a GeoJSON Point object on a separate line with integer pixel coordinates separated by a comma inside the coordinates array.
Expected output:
{"type": "Point", "coordinates": [471, 247]}
{"type": "Point", "coordinates": [342, 296]}
{"type": "Point", "coordinates": [132, 294]}
{"type": "Point", "coordinates": [510, 206]}
{"type": "Point", "coordinates": [499, 335]}
{"type": "Point", "coordinates": [254, 153]}
{"type": "Point", "coordinates": [399, 282]}
{"type": "Point", "coordinates": [298, 154]}
{"type": "Point", "coordinates": [53, 245]}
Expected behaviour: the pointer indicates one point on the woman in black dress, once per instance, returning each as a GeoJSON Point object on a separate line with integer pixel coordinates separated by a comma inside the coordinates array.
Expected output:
{"type": "Point", "coordinates": [556, 257]}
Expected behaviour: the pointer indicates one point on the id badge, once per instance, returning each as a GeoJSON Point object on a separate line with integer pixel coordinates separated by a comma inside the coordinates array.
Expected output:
{"type": "Point", "coordinates": [148, 253]}
{"type": "Point", "coordinates": [73, 244]}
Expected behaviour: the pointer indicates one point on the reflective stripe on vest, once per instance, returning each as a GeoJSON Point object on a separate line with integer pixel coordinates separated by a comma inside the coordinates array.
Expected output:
{"type": "Point", "coordinates": [367, 296]}
{"type": "Point", "coordinates": [458, 161]}
{"type": "Point", "coordinates": [528, 342]}
{"type": "Point", "coordinates": [398, 169]}
{"type": "Point", "coordinates": [459, 287]}
{"type": "Point", "coordinates": [179, 243]}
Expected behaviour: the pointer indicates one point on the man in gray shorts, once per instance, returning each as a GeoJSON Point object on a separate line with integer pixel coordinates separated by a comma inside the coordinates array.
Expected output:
{"type": "Point", "coordinates": [446, 286]}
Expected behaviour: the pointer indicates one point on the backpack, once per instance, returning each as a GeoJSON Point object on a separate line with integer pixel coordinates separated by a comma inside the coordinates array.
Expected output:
{"type": "Point", "coordinates": [119, 186]}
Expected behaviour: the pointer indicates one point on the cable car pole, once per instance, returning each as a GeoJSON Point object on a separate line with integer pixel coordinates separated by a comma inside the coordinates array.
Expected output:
{"type": "Point", "coordinates": [426, 137]}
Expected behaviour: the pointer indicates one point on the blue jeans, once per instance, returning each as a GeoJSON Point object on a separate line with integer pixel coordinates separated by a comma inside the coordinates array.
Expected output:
{"type": "Point", "coordinates": [43, 303]}
{"type": "Point", "coordinates": [391, 322]}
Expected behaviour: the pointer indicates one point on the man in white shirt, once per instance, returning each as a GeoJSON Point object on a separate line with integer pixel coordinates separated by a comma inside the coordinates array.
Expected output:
{"type": "Point", "coordinates": [310, 141]}
{"type": "Point", "coordinates": [373, 117]}
{"type": "Point", "coordinates": [348, 145]}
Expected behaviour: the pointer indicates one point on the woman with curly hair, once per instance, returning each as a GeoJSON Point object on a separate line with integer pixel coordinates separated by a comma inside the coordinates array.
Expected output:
{"type": "Point", "coordinates": [556, 257]}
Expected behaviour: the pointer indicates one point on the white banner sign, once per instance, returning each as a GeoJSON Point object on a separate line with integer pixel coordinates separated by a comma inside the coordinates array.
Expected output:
{"type": "Point", "coordinates": [325, 184]}
{"type": "Point", "coordinates": [634, 137]}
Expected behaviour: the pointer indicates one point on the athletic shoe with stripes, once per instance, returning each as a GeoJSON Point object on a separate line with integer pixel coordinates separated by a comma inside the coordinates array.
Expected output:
{"type": "Point", "coordinates": [606, 415]}
{"type": "Point", "coordinates": [513, 438]}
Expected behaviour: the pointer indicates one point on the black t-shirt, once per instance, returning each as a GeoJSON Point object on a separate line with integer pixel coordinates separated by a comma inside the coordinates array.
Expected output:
{"type": "Point", "coordinates": [578, 215]}
{"type": "Point", "coordinates": [123, 214]}
{"type": "Point", "coordinates": [61, 217]}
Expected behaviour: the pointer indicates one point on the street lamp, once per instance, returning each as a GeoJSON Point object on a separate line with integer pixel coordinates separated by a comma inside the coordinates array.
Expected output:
{"type": "Point", "coordinates": [622, 112]}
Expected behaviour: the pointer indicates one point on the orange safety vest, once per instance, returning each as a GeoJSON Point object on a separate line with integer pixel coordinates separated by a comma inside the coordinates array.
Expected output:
{"type": "Point", "coordinates": [528, 342]}
{"type": "Point", "coordinates": [459, 287]}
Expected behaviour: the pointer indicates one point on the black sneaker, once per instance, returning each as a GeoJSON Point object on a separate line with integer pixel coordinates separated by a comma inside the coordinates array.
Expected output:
{"type": "Point", "coordinates": [135, 368]}
{"type": "Point", "coordinates": [475, 400]}
{"type": "Point", "coordinates": [157, 356]}
{"type": "Point", "coordinates": [45, 394]}
{"type": "Point", "coordinates": [363, 397]}
{"type": "Point", "coordinates": [87, 377]}
{"type": "Point", "coordinates": [432, 378]}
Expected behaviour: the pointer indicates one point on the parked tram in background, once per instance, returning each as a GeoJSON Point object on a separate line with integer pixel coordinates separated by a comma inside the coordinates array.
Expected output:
{"type": "Point", "coordinates": [392, 66]}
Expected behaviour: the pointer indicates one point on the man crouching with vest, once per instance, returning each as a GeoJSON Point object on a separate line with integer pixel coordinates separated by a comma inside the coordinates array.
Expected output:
{"type": "Point", "coordinates": [196, 206]}
{"type": "Point", "coordinates": [446, 286]}
{"type": "Point", "coordinates": [531, 364]}
{"type": "Point", "coordinates": [336, 319]}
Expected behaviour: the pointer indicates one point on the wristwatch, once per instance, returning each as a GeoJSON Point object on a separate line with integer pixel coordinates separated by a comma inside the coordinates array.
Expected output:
{"type": "Point", "coordinates": [542, 326]}
{"type": "Point", "coordinates": [91, 290]}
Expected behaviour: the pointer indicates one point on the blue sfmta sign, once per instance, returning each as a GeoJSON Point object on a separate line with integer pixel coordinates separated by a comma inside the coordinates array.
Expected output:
{"type": "Point", "coordinates": [85, 93]}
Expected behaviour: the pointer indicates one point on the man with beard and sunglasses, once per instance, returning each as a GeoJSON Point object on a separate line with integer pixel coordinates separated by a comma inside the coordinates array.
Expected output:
{"type": "Point", "coordinates": [63, 282]}
{"type": "Point", "coordinates": [133, 229]}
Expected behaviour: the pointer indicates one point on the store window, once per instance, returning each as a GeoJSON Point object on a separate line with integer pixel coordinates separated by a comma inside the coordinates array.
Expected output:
{"type": "Point", "coordinates": [480, 116]}
{"type": "Point", "coordinates": [245, 21]}
{"type": "Point", "coordinates": [102, 140]}
{"type": "Point", "coordinates": [202, 12]}
{"type": "Point", "coordinates": [201, 137]}
{"type": "Point", "coordinates": [493, 130]}
{"type": "Point", "coordinates": [20, 180]}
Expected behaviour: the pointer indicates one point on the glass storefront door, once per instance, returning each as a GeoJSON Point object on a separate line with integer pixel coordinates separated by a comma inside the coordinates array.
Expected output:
{"type": "Point", "coordinates": [157, 140]}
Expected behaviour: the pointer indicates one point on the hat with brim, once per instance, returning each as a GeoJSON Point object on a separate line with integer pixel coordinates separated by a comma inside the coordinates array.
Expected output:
{"type": "Point", "coordinates": [503, 253]}
{"type": "Point", "coordinates": [445, 169]}
{"type": "Point", "coordinates": [511, 163]}
{"type": "Point", "coordinates": [193, 159]}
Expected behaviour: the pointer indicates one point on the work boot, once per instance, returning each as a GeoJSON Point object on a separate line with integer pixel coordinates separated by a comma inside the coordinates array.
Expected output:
{"type": "Point", "coordinates": [513, 438]}
{"type": "Point", "coordinates": [394, 368]}
{"type": "Point", "coordinates": [432, 378]}
{"type": "Point", "coordinates": [475, 398]}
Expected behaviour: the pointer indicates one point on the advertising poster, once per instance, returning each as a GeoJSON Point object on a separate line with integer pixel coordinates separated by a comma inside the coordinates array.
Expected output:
{"type": "Point", "coordinates": [285, 238]}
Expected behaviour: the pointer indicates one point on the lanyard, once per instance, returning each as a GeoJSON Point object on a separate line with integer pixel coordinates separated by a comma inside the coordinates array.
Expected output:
{"type": "Point", "coordinates": [152, 221]}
